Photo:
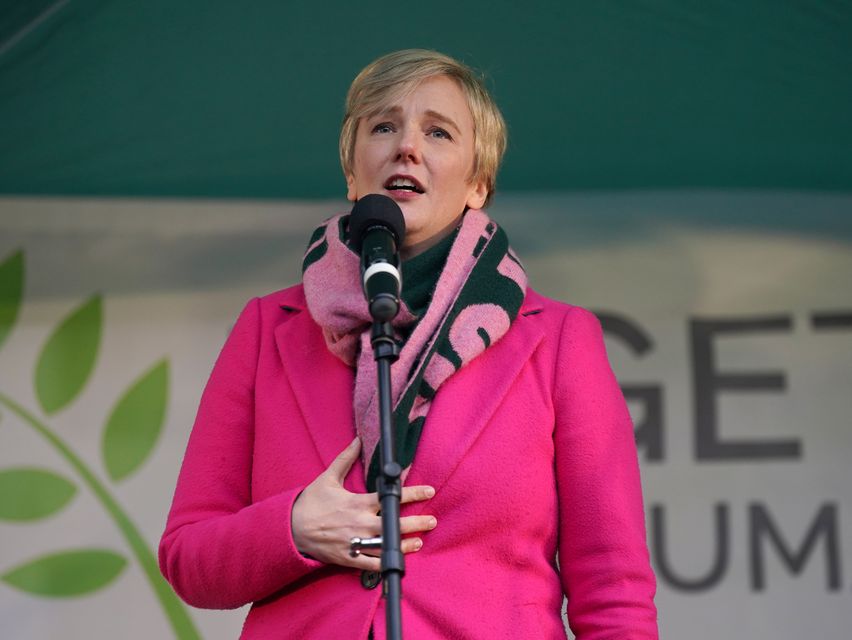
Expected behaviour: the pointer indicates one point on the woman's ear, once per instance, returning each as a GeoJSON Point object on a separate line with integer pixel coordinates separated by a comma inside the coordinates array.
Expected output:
{"type": "Point", "coordinates": [477, 195]}
{"type": "Point", "coordinates": [351, 193]}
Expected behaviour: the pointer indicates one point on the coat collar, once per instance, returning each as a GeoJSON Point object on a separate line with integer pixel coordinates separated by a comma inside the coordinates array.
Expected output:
{"type": "Point", "coordinates": [323, 386]}
{"type": "Point", "coordinates": [468, 400]}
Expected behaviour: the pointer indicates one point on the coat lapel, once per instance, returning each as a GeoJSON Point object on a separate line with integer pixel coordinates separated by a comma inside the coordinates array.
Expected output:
{"type": "Point", "coordinates": [322, 385]}
{"type": "Point", "coordinates": [467, 401]}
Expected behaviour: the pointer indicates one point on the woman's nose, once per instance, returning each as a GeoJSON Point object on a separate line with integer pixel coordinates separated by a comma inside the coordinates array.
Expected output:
{"type": "Point", "coordinates": [409, 146]}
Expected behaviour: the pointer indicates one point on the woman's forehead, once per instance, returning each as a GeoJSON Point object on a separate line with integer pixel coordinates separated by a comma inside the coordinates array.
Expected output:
{"type": "Point", "coordinates": [443, 106]}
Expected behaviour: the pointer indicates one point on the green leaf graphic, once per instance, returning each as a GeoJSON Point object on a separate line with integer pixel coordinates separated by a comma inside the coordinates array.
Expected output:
{"type": "Point", "coordinates": [68, 357]}
{"type": "Point", "coordinates": [30, 494]}
{"type": "Point", "coordinates": [135, 423]}
{"type": "Point", "coordinates": [11, 290]}
{"type": "Point", "coordinates": [66, 574]}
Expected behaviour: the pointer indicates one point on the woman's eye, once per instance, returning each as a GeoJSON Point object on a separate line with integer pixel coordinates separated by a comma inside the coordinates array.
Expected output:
{"type": "Point", "coordinates": [383, 127]}
{"type": "Point", "coordinates": [437, 132]}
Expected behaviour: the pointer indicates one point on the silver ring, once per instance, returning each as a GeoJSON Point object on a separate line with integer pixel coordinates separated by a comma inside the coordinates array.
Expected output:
{"type": "Point", "coordinates": [354, 547]}
{"type": "Point", "coordinates": [356, 544]}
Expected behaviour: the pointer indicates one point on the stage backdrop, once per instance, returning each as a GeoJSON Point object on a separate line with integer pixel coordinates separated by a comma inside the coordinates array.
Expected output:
{"type": "Point", "coordinates": [728, 319]}
{"type": "Point", "coordinates": [682, 168]}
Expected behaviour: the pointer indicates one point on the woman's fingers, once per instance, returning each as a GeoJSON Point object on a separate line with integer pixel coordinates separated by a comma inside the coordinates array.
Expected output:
{"type": "Point", "coordinates": [364, 562]}
{"type": "Point", "coordinates": [341, 465]}
{"type": "Point", "coordinates": [414, 524]}
{"type": "Point", "coordinates": [407, 524]}
{"type": "Point", "coordinates": [409, 494]}
{"type": "Point", "coordinates": [325, 516]}
{"type": "Point", "coordinates": [416, 494]}
{"type": "Point", "coordinates": [409, 545]}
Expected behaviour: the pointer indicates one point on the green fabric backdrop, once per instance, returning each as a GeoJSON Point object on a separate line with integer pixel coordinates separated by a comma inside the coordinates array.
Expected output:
{"type": "Point", "coordinates": [235, 99]}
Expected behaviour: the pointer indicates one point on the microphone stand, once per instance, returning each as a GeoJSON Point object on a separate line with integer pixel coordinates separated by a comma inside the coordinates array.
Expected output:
{"type": "Point", "coordinates": [377, 227]}
{"type": "Point", "coordinates": [386, 352]}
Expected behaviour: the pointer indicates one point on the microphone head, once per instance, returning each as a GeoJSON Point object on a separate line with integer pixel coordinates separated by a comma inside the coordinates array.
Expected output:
{"type": "Point", "coordinates": [375, 210]}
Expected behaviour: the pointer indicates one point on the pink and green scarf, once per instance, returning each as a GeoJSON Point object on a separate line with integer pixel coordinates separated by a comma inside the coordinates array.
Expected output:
{"type": "Point", "coordinates": [476, 299]}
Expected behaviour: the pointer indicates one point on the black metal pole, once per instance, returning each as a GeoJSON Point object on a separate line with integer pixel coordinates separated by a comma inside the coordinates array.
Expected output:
{"type": "Point", "coordinates": [386, 351]}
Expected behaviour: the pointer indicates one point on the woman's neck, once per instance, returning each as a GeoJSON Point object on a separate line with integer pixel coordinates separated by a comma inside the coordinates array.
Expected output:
{"type": "Point", "coordinates": [409, 251]}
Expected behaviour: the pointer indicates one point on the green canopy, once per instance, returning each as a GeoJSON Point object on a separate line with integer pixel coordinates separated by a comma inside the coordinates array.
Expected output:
{"type": "Point", "coordinates": [244, 99]}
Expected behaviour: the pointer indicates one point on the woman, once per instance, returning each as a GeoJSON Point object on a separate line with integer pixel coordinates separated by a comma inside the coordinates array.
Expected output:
{"type": "Point", "coordinates": [514, 434]}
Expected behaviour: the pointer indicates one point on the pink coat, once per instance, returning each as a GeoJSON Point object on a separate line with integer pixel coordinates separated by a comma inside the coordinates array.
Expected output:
{"type": "Point", "coordinates": [529, 447]}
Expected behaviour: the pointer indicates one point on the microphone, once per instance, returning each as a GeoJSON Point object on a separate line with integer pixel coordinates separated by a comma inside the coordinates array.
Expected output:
{"type": "Point", "coordinates": [376, 231]}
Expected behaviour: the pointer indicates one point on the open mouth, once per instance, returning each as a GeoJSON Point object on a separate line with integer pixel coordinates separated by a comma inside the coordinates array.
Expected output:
{"type": "Point", "coordinates": [404, 183]}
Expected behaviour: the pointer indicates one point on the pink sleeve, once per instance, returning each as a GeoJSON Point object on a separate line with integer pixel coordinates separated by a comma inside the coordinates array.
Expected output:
{"type": "Point", "coordinates": [603, 555]}
{"type": "Point", "coordinates": [219, 549]}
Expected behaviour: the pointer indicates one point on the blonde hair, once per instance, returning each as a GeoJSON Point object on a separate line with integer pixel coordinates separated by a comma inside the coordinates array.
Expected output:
{"type": "Point", "coordinates": [393, 76]}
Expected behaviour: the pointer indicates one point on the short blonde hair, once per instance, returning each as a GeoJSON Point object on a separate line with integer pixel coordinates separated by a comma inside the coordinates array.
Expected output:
{"type": "Point", "coordinates": [396, 74]}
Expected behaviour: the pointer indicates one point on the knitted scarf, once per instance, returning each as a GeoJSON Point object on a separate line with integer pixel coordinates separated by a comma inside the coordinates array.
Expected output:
{"type": "Point", "coordinates": [476, 299]}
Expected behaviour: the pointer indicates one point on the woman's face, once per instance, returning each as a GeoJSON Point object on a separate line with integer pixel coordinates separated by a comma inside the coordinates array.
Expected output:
{"type": "Point", "coordinates": [419, 152]}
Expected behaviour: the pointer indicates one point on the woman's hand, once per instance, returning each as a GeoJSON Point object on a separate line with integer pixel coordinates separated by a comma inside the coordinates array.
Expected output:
{"type": "Point", "coordinates": [326, 516]}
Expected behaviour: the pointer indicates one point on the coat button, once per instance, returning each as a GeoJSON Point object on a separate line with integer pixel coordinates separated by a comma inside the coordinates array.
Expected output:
{"type": "Point", "coordinates": [370, 579]}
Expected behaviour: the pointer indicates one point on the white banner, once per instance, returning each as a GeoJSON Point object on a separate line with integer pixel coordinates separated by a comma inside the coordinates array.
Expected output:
{"type": "Point", "coordinates": [728, 320]}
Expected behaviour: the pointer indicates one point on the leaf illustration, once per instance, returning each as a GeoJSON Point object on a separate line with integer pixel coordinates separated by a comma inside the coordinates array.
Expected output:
{"type": "Point", "coordinates": [68, 357]}
{"type": "Point", "coordinates": [31, 494]}
{"type": "Point", "coordinates": [135, 423]}
{"type": "Point", "coordinates": [11, 291]}
{"type": "Point", "coordinates": [66, 574]}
